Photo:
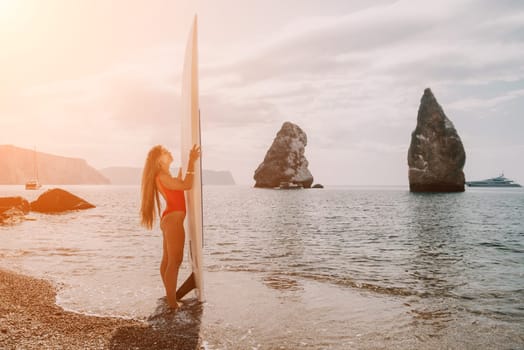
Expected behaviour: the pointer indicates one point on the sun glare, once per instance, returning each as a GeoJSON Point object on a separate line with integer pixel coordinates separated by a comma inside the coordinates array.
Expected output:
{"type": "Point", "coordinates": [9, 10]}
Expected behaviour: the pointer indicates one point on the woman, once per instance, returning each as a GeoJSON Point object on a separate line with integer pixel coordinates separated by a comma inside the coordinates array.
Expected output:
{"type": "Point", "coordinates": [156, 179]}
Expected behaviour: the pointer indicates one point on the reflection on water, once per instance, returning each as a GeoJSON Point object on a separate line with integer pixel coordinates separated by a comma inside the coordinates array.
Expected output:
{"type": "Point", "coordinates": [282, 283]}
{"type": "Point", "coordinates": [338, 268]}
{"type": "Point", "coordinates": [389, 241]}
{"type": "Point", "coordinates": [426, 248]}
{"type": "Point", "coordinates": [437, 260]}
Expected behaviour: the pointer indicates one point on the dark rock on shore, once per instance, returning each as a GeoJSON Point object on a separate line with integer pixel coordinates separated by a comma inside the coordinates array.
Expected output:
{"type": "Point", "coordinates": [436, 155]}
{"type": "Point", "coordinates": [11, 216]}
{"type": "Point", "coordinates": [13, 210]}
{"type": "Point", "coordinates": [285, 160]}
{"type": "Point", "coordinates": [57, 200]}
{"type": "Point", "coordinates": [317, 186]}
{"type": "Point", "coordinates": [14, 202]}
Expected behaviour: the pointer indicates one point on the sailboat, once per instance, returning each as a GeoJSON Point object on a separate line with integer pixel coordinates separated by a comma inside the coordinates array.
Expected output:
{"type": "Point", "coordinates": [33, 184]}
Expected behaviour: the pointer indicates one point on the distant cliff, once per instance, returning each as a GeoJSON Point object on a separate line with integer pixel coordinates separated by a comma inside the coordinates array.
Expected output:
{"type": "Point", "coordinates": [17, 167]}
{"type": "Point", "coordinates": [132, 176]}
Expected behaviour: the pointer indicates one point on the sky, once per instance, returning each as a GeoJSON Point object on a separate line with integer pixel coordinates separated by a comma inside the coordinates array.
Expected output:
{"type": "Point", "coordinates": [101, 80]}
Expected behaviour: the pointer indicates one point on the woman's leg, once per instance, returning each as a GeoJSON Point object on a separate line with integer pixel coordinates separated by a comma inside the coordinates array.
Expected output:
{"type": "Point", "coordinates": [163, 264]}
{"type": "Point", "coordinates": [174, 236]}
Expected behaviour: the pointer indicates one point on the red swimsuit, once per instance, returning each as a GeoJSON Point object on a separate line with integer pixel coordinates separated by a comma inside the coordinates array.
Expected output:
{"type": "Point", "coordinates": [175, 200]}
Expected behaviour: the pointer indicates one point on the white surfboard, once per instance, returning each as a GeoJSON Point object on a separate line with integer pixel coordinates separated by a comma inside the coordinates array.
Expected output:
{"type": "Point", "coordinates": [190, 127]}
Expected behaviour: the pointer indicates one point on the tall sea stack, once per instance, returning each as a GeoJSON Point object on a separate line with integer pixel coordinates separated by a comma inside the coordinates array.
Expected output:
{"type": "Point", "coordinates": [436, 155]}
{"type": "Point", "coordinates": [285, 160]}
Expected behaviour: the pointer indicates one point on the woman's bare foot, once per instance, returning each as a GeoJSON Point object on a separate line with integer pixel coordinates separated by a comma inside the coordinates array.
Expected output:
{"type": "Point", "coordinates": [173, 303]}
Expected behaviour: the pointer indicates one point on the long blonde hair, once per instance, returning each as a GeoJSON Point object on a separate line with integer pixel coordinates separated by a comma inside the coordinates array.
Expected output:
{"type": "Point", "coordinates": [150, 198]}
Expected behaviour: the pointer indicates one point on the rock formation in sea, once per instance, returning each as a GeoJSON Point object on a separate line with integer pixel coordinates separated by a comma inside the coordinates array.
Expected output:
{"type": "Point", "coordinates": [436, 155]}
{"type": "Point", "coordinates": [285, 160]}
{"type": "Point", "coordinates": [13, 210]}
{"type": "Point", "coordinates": [18, 166]}
{"type": "Point", "coordinates": [57, 200]}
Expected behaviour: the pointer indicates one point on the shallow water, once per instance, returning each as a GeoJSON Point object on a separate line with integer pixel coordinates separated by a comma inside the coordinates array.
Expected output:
{"type": "Point", "coordinates": [335, 268]}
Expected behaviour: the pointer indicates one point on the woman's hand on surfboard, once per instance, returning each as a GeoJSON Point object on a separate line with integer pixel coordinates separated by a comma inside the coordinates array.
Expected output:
{"type": "Point", "coordinates": [194, 153]}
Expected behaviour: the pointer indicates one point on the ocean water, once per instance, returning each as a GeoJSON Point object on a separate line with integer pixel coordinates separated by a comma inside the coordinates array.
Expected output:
{"type": "Point", "coordinates": [338, 268]}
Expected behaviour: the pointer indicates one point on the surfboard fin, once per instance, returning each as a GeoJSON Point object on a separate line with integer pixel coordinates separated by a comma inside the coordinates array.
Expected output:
{"type": "Point", "coordinates": [186, 287]}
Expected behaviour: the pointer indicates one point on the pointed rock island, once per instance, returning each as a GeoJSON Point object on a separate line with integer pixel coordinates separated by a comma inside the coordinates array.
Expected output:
{"type": "Point", "coordinates": [436, 155]}
{"type": "Point", "coordinates": [285, 160]}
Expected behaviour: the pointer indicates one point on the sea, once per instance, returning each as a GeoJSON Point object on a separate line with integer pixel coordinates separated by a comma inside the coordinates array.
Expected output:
{"type": "Point", "coordinates": [332, 268]}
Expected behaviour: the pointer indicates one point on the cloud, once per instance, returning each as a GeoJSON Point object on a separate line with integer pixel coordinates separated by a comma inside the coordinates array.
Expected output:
{"type": "Point", "coordinates": [366, 70]}
{"type": "Point", "coordinates": [468, 104]}
{"type": "Point", "coordinates": [406, 42]}
{"type": "Point", "coordinates": [315, 45]}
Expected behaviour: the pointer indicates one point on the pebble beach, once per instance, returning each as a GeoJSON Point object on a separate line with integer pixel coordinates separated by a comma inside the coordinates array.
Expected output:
{"type": "Point", "coordinates": [30, 319]}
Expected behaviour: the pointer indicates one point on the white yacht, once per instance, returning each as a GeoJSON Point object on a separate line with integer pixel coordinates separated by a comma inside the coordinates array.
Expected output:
{"type": "Point", "coordinates": [499, 181]}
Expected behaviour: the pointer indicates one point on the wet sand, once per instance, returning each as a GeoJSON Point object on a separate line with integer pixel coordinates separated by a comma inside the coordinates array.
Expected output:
{"type": "Point", "coordinates": [259, 317]}
{"type": "Point", "coordinates": [30, 319]}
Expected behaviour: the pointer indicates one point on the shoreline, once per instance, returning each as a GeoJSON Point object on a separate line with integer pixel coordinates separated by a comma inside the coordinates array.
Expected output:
{"type": "Point", "coordinates": [30, 319]}
{"type": "Point", "coordinates": [264, 306]}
